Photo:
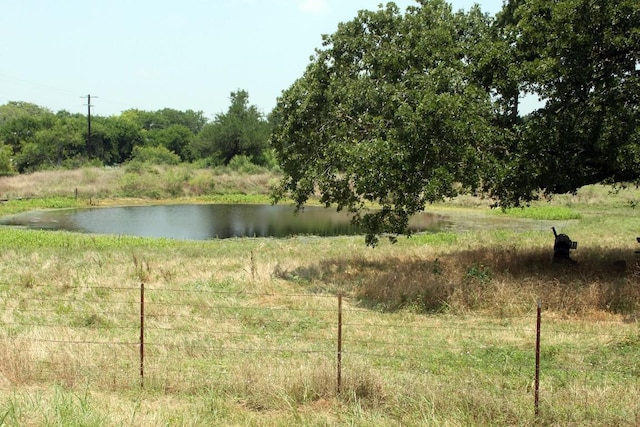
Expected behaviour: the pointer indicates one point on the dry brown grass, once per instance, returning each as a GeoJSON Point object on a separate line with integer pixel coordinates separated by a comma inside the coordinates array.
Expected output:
{"type": "Point", "coordinates": [142, 181]}
{"type": "Point", "coordinates": [490, 280]}
{"type": "Point", "coordinates": [88, 182]}
{"type": "Point", "coordinates": [387, 383]}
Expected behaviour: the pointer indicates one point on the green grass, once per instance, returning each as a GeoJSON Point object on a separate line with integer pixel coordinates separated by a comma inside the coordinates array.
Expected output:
{"type": "Point", "coordinates": [438, 329]}
{"type": "Point", "coordinates": [15, 206]}
{"type": "Point", "coordinates": [558, 213]}
{"type": "Point", "coordinates": [239, 198]}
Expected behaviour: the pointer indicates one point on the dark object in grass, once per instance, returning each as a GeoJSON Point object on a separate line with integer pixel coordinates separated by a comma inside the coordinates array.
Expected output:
{"type": "Point", "coordinates": [562, 247]}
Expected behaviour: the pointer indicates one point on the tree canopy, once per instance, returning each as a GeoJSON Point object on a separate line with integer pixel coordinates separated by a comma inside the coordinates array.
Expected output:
{"type": "Point", "coordinates": [241, 131]}
{"type": "Point", "coordinates": [398, 110]}
{"type": "Point", "coordinates": [34, 138]}
{"type": "Point", "coordinates": [582, 57]}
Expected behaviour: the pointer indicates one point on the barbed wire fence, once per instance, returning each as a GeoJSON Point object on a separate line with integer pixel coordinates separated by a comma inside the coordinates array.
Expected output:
{"type": "Point", "coordinates": [191, 339]}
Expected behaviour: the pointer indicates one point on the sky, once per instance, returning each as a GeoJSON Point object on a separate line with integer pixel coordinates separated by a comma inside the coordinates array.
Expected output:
{"type": "Point", "coordinates": [155, 54]}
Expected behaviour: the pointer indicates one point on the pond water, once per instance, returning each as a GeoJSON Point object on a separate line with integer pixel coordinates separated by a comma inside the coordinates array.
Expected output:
{"type": "Point", "coordinates": [219, 221]}
{"type": "Point", "coordinates": [205, 221]}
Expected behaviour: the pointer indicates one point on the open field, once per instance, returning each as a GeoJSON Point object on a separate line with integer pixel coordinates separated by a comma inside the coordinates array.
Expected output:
{"type": "Point", "coordinates": [438, 329]}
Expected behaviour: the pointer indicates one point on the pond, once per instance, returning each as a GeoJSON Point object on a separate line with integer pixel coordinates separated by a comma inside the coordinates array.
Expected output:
{"type": "Point", "coordinates": [219, 221]}
{"type": "Point", "coordinates": [205, 221]}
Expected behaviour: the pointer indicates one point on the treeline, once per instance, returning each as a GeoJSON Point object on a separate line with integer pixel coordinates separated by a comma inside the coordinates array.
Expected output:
{"type": "Point", "coordinates": [34, 138]}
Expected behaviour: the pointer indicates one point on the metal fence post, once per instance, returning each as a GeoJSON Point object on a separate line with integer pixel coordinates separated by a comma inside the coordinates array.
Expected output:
{"type": "Point", "coordinates": [141, 335]}
{"type": "Point", "coordinates": [537, 379]}
{"type": "Point", "coordinates": [339, 368]}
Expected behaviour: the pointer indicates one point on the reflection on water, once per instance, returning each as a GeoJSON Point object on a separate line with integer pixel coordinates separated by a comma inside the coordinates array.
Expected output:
{"type": "Point", "coordinates": [202, 222]}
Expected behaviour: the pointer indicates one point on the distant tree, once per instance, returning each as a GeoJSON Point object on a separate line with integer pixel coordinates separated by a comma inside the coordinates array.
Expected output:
{"type": "Point", "coordinates": [14, 132]}
{"type": "Point", "coordinates": [242, 130]}
{"type": "Point", "coordinates": [19, 122]}
{"type": "Point", "coordinates": [146, 120]}
{"type": "Point", "coordinates": [161, 119]}
{"type": "Point", "coordinates": [192, 120]}
{"type": "Point", "coordinates": [39, 138]}
{"type": "Point", "coordinates": [16, 109]}
{"type": "Point", "coordinates": [170, 128]}
{"type": "Point", "coordinates": [175, 138]}
{"type": "Point", "coordinates": [6, 164]}
{"type": "Point", "coordinates": [51, 146]}
{"type": "Point", "coordinates": [24, 126]}
{"type": "Point", "coordinates": [158, 155]}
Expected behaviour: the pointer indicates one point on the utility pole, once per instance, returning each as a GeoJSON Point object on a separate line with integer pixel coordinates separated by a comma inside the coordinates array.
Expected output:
{"type": "Point", "coordinates": [89, 147]}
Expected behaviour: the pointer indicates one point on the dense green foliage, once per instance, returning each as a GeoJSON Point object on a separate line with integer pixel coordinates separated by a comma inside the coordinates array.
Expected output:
{"type": "Point", "coordinates": [6, 165]}
{"type": "Point", "coordinates": [403, 109]}
{"type": "Point", "coordinates": [240, 131]}
{"type": "Point", "coordinates": [33, 138]}
{"type": "Point", "coordinates": [385, 114]}
{"type": "Point", "coordinates": [582, 58]}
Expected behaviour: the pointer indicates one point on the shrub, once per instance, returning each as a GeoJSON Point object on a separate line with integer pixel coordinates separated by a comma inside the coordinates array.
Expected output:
{"type": "Point", "coordinates": [176, 180]}
{"type": "Point", "coordinates": [6, 164]}
{"type": "Point", "coordinates": [202, 183]}
{"type": "Point", "coordinates": [158, 155]}
{"type": "Point", "coordinates": [131, 185]}
{"type": "Point", "coordinates": [243, 164]}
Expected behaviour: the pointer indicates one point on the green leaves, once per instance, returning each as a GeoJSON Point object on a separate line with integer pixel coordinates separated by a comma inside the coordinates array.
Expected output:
{"type": "Point", "coordinates": [6, 166]}
{"type": "Point", "coordinates": [583, 58]}
{"type": "Point", "coordinates": [399, 110]}
{"type": "Point", "coordinates": [385, 114]}
{"type": "Point", "coordinates": [240, 131]}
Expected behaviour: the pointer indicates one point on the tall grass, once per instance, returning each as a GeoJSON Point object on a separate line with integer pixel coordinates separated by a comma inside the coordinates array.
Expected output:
{"type": "Point", "coordinates": [136, 180]}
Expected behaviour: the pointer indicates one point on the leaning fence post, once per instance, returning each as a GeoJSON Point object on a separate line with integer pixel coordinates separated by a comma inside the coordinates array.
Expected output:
{"type": "Point", "coordinates": [339, 368]}
{"type": "Point", "coordinates": [141, 335]}
{"type": "Point", "coordinates": [537, 379]}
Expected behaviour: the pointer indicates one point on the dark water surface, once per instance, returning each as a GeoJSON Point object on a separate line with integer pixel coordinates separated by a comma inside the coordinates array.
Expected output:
{"type": "Point", "coordinates": [206, 221]}
{"type": "Point", "coordinates": [219, 221]}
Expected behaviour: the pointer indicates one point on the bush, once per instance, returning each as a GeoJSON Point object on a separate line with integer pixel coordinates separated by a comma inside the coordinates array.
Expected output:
{"type": "Point", "coordinates": [137, 167]}
{"type": "Point", "coordinates": [202, 183]}
{"type": "Point", "coordinates": [243, 164]}
{"type": "Point", "coordinates": [271, 161]}
{"type": "Point", "coordinates": [78, 162]}
{"type": "Point", "coordinates": [158, 155]}
{"type": "Point", "coordinates": [132, 185]}
{"type": "Point", "coordinates": [176, 180]}
{"type": "Point", "coordinates": [6, 165]}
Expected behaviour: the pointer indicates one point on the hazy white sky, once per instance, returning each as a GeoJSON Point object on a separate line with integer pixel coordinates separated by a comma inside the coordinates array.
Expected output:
{"type": "Point", "coordinates": [154, 54]}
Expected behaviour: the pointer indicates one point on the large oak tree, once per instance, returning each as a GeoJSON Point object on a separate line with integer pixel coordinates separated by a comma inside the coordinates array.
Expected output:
{"type": "Point", "coordinates": [387, 113]}
{"type": "Point", "coordinates": [582, 57]}
{"type": "Point", "coordinates": [402, 109]}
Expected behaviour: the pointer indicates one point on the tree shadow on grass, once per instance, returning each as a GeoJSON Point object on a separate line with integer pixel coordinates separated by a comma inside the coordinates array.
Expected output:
{"type": "Point", "coordinates": [491, 280]}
